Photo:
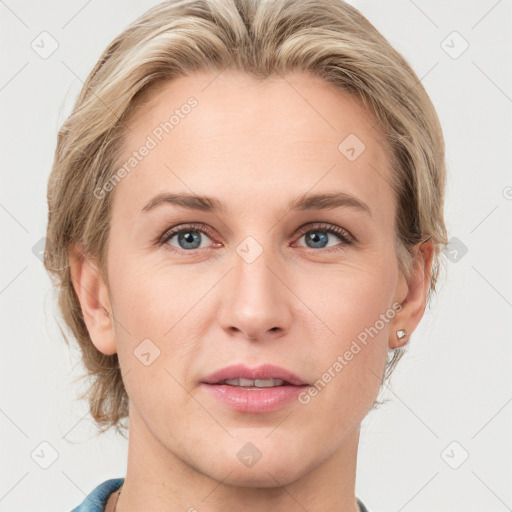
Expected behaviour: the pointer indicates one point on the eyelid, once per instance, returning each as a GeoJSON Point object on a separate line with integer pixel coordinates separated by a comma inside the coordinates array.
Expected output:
{"type": "Point", "coordinates": [195, 226]}
{"type": "Point", "coordinates": [340, 232]}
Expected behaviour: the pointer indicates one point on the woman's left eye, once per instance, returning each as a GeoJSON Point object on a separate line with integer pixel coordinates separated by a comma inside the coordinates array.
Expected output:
{"type": "Point", "coordinates": [190, 237]}
{"type": "Point", "coordinates": [317, 236]}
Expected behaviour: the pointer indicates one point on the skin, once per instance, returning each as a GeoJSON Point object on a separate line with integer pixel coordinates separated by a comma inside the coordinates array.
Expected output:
{"type": "Point", "coordinates": [254, 146]}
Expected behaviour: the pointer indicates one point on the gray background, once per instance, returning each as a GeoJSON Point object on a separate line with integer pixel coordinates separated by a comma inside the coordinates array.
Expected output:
{"type": "Point", "coordinates": [451, 396]}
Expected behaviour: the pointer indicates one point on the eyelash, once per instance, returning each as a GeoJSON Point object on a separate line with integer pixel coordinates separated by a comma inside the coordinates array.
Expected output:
{"type": "Point", "coordinates": [341, 233]}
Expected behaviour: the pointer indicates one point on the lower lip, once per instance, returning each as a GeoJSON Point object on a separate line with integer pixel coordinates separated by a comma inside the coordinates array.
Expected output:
{"type": "Point", "coordinates": [254, 400]}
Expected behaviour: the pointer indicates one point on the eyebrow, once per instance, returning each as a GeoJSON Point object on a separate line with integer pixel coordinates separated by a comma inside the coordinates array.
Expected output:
{"type": "Point", "coordinates": [322, 201]}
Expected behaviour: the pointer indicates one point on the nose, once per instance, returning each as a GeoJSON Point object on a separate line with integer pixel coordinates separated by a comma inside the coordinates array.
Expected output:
{"type": "Point", "coordinates": [257, 302]}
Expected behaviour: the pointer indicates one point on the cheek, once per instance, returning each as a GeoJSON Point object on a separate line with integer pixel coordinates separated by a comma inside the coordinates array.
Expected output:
{"type": "Point", "coordinates": [348, 378]}
{"type": "Point", "coordinates": [151, 296]}
{"type": "Point", "coordinates": [153, 353]}
{"type": "Point", "coordinates": [348, 298]}
{"type": "Point", "coordinates": [155, 309]}
{"type": "Point", "coordinates": [350, 346]}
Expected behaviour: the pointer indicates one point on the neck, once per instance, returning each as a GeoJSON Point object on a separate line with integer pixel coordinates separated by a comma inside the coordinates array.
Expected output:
{"type": "Point", "coordinates": [159, 480]}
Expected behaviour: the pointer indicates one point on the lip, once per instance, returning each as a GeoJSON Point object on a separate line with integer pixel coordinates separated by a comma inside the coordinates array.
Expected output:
{"type": "Point", "coordinates": [252, 399]}
{"type": "Point", "coordinates": [266, 371]}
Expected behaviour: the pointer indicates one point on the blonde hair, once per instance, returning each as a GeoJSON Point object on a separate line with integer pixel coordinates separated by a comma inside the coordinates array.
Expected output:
{"type": "Point", "coordinates": [327, 38]}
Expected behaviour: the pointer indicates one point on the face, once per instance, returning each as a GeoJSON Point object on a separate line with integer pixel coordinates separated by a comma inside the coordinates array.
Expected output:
{"type": "Point", "coordinates": [251, 277]}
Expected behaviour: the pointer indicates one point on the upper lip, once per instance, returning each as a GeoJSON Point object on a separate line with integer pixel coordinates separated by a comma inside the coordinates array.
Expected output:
{"type": "Point", "coordinates": [266, 371]}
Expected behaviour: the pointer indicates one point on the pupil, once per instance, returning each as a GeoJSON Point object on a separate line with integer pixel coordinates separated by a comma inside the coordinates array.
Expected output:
{"type": "Point", "coordinates": [316, 237]}
{"type": "Point", "coordinates": [189, 238]}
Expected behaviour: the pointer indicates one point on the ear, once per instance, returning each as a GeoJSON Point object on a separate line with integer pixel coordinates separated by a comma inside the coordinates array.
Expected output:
{"type": "Point", "coordinates": [92, 293]}
{"type": "Point", "coordinates": [413, 294]}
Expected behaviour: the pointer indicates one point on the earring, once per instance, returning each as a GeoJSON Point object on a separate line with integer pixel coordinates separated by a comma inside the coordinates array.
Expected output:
{"type": "Point", "coordinates": [401, 333]}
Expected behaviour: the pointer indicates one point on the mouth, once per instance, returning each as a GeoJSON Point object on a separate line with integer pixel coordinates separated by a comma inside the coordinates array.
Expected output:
{"type": "Point", "coordinates": [264, 376]}
{"type": "Point", "coordinates": [264, 389]}
{"type": "Point", "coordinates": [254, 383]}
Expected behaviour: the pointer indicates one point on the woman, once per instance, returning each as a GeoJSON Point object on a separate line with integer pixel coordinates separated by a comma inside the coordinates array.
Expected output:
{"type": "Point", "coordinates": [245, 222]}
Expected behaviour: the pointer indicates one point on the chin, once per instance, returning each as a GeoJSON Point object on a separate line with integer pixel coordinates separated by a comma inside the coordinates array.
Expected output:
{"type": "Point", "coordinates": [269, 466]}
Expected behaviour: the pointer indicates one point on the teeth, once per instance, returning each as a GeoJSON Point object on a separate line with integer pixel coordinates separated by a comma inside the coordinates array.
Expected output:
{"type": "Point", "coordinates": [259, 383]}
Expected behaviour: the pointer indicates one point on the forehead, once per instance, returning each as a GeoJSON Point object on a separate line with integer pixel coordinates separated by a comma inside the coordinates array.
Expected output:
{"type": "Point", "coordinates": [234, 137]}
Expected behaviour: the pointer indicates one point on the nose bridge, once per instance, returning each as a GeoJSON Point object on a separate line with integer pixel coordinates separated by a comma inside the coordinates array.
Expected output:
{"type": "Point", "coordinates": [252, 272]}
{"type": "Point", "coordinates": [257, 300]}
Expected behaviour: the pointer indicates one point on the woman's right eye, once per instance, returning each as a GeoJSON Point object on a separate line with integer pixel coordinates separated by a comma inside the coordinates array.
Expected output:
{"type": "Point", "coordinates": [187, 238]}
